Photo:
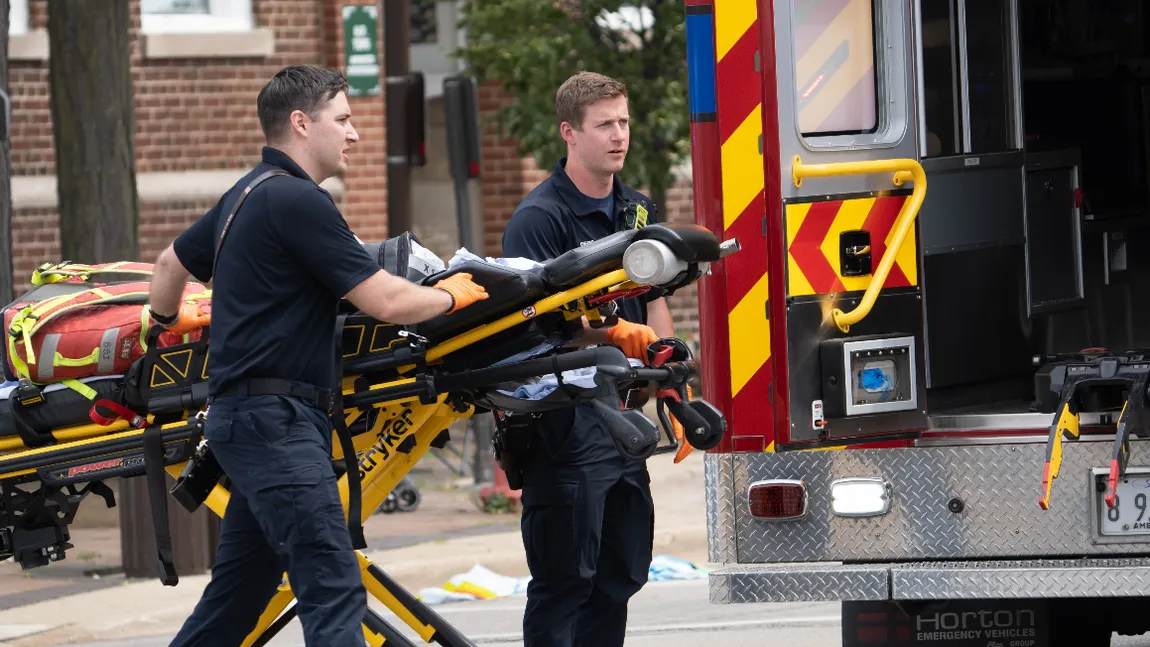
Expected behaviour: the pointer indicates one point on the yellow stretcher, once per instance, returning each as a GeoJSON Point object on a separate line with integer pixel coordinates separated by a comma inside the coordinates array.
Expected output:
{"type": "Point", "coordinates": [402, 389]}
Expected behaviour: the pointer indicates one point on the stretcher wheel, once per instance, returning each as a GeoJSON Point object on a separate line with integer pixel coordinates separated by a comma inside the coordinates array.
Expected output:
{"type": "Point", "coordinates": [389, 505]}
{"type": "Point", "coordinates": [408, 499]}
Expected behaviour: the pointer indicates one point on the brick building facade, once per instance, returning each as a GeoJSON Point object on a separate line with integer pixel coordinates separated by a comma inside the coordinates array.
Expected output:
{"type": "Point", "coordinates": [196, 76]}
{"type": "Point", "coordinates": [197, 132]}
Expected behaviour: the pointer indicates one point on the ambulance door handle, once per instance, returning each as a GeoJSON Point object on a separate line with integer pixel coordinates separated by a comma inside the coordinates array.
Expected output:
{"type": "Point", "coordinates": [903, 170]}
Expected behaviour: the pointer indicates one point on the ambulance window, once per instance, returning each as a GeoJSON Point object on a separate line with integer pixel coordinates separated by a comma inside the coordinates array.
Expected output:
{"type": "Point", "coordinates": [835, 66]}
{"type": "Point", "coordinates": [940, 91]}
{"type": "Point", "coordinates": [968, 77]}
{"type": "Point", "coordinates": [988, 53]}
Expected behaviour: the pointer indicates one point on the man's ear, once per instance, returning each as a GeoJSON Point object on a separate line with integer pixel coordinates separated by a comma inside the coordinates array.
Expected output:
{"type": "Point", "coordinates": [567, 131]}
{"type": "Point", "coordinates": [299, 122]}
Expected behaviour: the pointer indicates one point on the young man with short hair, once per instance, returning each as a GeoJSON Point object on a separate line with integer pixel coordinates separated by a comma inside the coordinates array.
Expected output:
{"type": "Point", "coordinates": [287, 259]}
{"type": "Point", "coordinates": [588, 518]}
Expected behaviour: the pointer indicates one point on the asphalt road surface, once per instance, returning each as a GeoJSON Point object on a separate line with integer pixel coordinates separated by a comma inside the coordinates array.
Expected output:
{"type": "Point", "coordinates": [664, 614]}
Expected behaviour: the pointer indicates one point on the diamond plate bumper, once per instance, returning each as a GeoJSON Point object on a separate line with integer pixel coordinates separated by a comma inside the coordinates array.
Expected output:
{"type": "Point", "coordinates": [1070, 578]}
{"type": "Point", "coordinates": [799, 583]}
{"type": "Point", "coordinates": [998, 487]}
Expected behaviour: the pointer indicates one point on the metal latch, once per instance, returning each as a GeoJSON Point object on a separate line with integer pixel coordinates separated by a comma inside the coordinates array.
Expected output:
{"type": "Point", "coordinates": [855, 253]}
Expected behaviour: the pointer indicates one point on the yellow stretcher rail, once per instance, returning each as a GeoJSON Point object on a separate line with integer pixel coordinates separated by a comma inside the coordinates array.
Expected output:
{"type": "Point", "coordinates": [903, 170]}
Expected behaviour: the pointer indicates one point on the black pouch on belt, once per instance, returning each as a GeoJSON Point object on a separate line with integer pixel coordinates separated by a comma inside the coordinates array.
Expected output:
{"type": "Point", "coordinates": [511, 442]}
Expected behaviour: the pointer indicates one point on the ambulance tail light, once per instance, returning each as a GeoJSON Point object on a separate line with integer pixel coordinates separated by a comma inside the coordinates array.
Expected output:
{"type": "Point", "coordinates": [778, 499]}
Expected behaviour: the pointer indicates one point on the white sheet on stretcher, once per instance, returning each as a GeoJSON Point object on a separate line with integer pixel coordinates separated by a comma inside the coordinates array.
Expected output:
{"type": "Point", "coordinates": [7, 388]}
{"type": "Point", "coordinates": [583, 378]}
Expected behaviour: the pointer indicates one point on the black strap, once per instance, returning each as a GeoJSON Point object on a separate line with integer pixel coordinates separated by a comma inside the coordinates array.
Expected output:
{"type": "Point", "coordinates": [157, 495]}
{"type": "Point", "coordinates": [339, 419]}
{"type": "Point", "coordinates": [253, 386]}
{"type": "Point", "coordinates": [267, 175]}
{"type": "Point", "coordinates": [28, 435]}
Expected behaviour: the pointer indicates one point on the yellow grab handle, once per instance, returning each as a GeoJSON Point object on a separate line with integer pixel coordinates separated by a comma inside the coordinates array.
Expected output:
{"type": "Point", "coordinates": [904, 170]}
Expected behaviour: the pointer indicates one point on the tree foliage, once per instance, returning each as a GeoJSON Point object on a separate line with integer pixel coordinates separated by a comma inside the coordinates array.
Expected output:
{"type": "Point", "coordinates": [529, 47]}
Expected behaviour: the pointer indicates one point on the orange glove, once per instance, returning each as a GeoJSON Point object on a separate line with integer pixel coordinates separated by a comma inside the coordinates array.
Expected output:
{"type": "Point", "coordinates": [633, 338]}
{"type": "Point", "coordinates": [685, 447]}
{"type": "Point", "coordinates": [462, 289]}
{"type": "Point", "coordinates": [188, 318]}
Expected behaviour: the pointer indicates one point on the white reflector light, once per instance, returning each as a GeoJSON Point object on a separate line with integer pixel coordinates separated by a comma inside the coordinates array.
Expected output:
{"type": "Point", "coordinates": [860, 497]}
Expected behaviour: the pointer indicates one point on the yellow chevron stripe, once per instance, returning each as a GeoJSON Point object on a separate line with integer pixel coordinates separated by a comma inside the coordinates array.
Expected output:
{"type": "Point", "coordinates": [852, 214]}
{"type": "Point", "coordinates": [907, 258]}
{"type": "Point", "coordinates": [796, 214]}
{"type": "Point", "coordinates": [749, 335]}
{"type": "Point", "coordinates": [742, 167]}
{"type": "Point", "coordinates": [732, 19]}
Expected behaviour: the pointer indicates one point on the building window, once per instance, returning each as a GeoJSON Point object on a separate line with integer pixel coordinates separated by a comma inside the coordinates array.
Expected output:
{"type": "Point", "coordinates": [195, 16]}
{"type": "Point", "coordinates": [835, 67]}
{"type": "Point", "coordinates": [424, 22]}
{"type": "Point", "coordinates": [18, 17]}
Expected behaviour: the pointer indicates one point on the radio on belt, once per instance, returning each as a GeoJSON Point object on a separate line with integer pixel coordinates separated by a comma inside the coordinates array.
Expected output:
{"type": "Point", "coordinates": [868, 374]}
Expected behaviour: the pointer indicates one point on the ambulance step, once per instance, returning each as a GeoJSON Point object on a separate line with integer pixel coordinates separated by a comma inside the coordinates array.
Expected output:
{"type": "Point", "coordinates": [1022, 579]}
{"type": "Point", "coordinates": [799, 583]}
{"type": "Point", "coordinates": [1054, 578]}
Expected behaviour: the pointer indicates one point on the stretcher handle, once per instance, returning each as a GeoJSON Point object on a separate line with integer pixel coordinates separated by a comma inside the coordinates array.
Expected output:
{"type": "Point", "coordinates": [603, 357]}
{"type": "Point", "coordinates": [903, 170]}
{"type": "Point", "coordinates": [672, 373]}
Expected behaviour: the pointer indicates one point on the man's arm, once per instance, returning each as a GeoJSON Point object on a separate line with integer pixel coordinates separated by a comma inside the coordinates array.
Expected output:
{"type": "Point", "coordinates": [319, 237]}
{"type": "Point", "coordinates": [169, 278]}
{"type": "Point", "coordinates": [659, 318]}
{"type": "Point", "coordinates": [190, 254]}
{"type": "Point", "coordinates": [387, 297]}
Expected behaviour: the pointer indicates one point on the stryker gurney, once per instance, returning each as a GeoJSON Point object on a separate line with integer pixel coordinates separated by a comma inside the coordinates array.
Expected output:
{"type": "Point", "coordinates": [402, 388]}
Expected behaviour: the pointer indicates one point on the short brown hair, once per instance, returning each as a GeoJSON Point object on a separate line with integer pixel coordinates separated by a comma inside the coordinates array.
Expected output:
{"type": "Point", "coordinates": [580, 91]}
{"type": "Point", "coordinates": [296, 87]}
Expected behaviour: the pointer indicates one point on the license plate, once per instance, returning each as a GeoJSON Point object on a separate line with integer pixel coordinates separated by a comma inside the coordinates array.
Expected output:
{"type": "Point", "coordinates": [1130, 515]}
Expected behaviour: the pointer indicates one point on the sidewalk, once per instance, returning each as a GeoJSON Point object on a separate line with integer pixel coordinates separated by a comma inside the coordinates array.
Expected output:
{"type": "Point", "coordinates": [127, 609]}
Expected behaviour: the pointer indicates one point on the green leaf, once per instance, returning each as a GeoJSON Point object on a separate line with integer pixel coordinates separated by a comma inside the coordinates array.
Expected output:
{"type": "Point", "coordinates": [529, 47]}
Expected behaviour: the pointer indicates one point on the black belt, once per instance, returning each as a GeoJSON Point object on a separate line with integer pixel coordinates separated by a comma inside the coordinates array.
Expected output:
{"type": "Point", "coordinates": [320, 397]}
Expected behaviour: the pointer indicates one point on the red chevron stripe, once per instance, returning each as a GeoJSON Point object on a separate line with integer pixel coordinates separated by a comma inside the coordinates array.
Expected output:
{"type": "Point", "coordinates": [745, 268]}
{"type": "Point", "coordinates": [806, 247]}
{"type": "Point", "coordinates": [738, 82]}
{"type": "Point", "coordinates": [751, 402]}
{"type": "Point", "coordinates": [879, 222]}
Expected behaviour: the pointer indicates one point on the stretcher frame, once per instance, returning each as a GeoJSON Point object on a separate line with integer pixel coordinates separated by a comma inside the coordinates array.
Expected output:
{"type": "Point", "coordinates": [407, 423]}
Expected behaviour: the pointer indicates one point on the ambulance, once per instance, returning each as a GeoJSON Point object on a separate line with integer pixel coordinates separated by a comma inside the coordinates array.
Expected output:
{"type": "Point", "coordinates": [929, 349]}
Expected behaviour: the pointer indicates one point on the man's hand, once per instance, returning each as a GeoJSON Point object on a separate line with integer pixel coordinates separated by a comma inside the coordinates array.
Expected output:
{"type": "Point", "coordinates": [685, 447]}
{"type": "Point", "coordinates": [462, 289]}
{"type": "Point", "coordinates": [633, 338]}
{"type": "Point", "coordinates": [187, 319]}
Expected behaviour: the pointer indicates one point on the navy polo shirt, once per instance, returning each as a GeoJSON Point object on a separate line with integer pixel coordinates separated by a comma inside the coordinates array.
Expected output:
{"type": "Point", "coordinates": [557, 217]}
{"type": "Point", "coordinates": [288, 259]}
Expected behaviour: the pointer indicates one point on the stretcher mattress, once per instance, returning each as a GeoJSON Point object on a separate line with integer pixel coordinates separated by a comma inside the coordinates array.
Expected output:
{"type": "Point", "coordinates": [370, 343]}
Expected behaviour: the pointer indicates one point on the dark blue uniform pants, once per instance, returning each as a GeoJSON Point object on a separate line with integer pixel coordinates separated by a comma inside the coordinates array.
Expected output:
{"type": "Point", "coordinates": [588, 524]}
{"type": "Point", "coordinates": [284, 515]}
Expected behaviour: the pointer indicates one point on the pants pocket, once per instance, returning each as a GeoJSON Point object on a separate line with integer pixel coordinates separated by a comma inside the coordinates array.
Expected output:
{"type": "Point", "coordinates": [304, 519]}
{"type": "Point", "coordinates": [283, 445]}
{"type": "Point", "coordinates": [550, 530]}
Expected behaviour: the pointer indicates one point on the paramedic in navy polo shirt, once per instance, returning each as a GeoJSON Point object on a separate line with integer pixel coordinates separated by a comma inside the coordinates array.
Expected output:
{"type": "Point", "coordinates": [588, 518]}
{"type": "Point", "coordinates": [287, 259]}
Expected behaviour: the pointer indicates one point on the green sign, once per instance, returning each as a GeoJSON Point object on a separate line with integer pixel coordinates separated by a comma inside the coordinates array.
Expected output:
{"type": "Point", "coordinates": [361, 52]}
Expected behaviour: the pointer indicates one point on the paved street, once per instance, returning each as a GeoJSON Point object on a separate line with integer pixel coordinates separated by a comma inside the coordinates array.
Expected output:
{"type": "Point", "coordinates": [666, 614]}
